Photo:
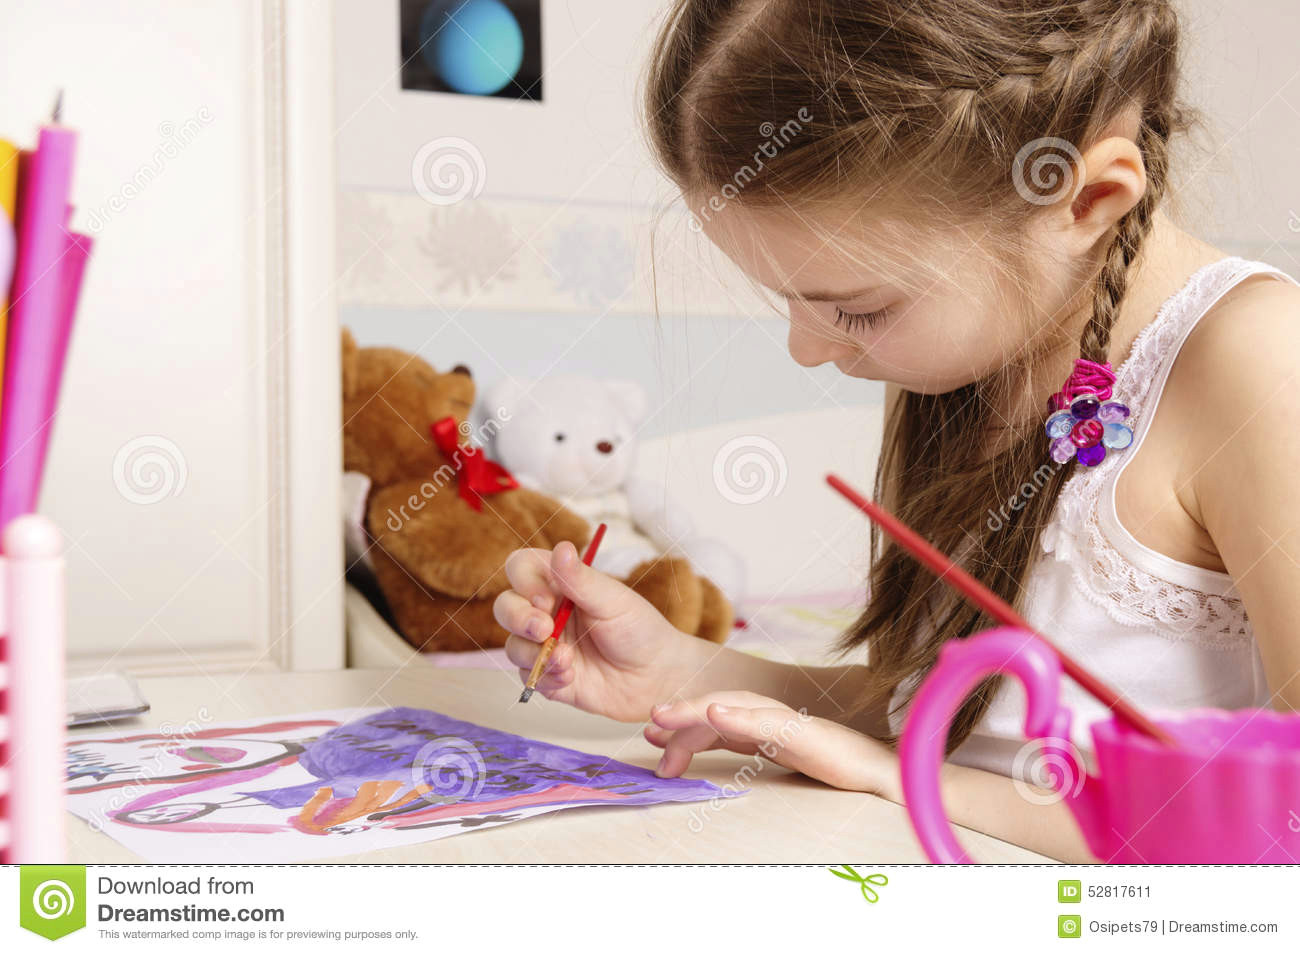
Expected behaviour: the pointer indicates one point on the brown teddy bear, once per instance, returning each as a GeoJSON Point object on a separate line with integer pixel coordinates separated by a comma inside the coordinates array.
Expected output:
{"type": "Point", "coordinates": [442, 519]}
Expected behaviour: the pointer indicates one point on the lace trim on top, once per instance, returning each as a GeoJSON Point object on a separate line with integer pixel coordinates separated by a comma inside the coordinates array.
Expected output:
{"type": "Point", "coordinates": [1074, 535]}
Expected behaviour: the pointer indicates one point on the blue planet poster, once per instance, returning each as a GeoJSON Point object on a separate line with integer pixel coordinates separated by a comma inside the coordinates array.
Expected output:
{"type": "Point", "coordinates": [472, 47]}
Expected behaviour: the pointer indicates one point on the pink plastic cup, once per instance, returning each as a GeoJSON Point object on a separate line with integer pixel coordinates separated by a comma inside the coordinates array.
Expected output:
{"type": "Point", "coordinates": [1229, 793]}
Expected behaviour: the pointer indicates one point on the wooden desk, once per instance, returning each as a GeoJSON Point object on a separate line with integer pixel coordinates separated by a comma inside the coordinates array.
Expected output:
{"type": "Point", "coordinates": [785, 818]}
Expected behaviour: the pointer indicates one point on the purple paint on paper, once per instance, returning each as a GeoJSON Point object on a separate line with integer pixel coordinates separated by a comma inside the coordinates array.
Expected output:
{"type": "Point", "coordinates": [466, 763]}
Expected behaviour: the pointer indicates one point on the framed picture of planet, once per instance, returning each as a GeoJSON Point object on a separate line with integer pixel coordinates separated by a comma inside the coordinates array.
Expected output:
{"type": "Point", "coordinates": [472, 47]}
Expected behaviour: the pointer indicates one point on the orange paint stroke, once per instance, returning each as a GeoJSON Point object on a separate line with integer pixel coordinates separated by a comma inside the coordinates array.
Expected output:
{"type": "Point", "coordinates": [323, 811]}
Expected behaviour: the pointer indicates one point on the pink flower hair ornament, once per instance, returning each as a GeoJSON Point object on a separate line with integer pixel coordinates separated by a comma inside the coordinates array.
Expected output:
{"type": "Point", "coordinates": [1083, 422]}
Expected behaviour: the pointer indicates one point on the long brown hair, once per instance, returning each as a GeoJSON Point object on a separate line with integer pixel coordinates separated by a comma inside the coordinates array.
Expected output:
{"type": "Point", "coordinates": [940, 103]}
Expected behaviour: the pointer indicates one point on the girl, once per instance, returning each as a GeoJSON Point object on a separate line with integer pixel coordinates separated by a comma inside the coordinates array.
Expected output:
{"type": "Point", "coordinates": [968, 207]}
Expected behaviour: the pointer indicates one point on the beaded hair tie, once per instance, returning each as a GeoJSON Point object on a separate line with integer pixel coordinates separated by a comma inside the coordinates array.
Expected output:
{"type": "Point", "coordinates": [1083, 422]}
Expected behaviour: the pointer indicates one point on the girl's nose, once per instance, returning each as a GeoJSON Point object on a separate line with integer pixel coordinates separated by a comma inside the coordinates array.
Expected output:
{"type": "Point", "coordinates": [812, 341]}
{"type": "Point", "coordinates": [605, 447]}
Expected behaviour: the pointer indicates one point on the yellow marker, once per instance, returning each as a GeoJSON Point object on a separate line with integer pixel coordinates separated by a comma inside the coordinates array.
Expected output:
{"type": "Point", "coordinates": [8, 202]}
{"type": "Point", "coordinates": [8, 178]}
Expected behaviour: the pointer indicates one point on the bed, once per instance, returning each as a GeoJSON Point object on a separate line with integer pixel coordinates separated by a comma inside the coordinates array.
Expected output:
{"type": "Point", "coordinates": [759, 485]}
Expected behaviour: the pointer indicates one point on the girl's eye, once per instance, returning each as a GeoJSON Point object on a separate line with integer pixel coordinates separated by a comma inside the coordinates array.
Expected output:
{"type": "Point", "coordinates": [856, 321]}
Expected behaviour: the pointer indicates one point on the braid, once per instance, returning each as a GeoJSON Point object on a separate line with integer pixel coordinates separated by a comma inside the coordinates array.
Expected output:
{"type": "Point", "coordinates": [1156, 28]}
{"type": "Point", "coordinates": [1112, 281]}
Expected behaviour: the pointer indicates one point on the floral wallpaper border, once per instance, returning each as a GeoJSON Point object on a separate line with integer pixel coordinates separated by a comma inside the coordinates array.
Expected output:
{"type": "Point", "coordinates": [522, 254]}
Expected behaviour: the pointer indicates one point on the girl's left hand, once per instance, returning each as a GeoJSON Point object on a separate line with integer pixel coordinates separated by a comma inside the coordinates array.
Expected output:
{"type": "Point", "coordinates": [751, 724]}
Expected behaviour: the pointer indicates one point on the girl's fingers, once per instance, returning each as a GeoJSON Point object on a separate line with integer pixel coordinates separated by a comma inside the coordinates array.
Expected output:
{"type": "Point", "coordinates": [559, 668]}
{"type": "Point", "coordinates": [776, 730]}
{"type": "Point", "coordinates": [521, 652]}
{"type": "Point", "coordinates": [677, 715]}
{"type": "Point", "coordinates": [681, 748]}
{"type": "Point", "coordinates": [685, 712]}
{"type": "Point", "coordinates": [518, 616]}
{"type": "Point", "coordinates": [598, 595]}
{"type": "Point", "coordinates": [529, 573]}
{"type": "Point", "coordinates": [657, 736]}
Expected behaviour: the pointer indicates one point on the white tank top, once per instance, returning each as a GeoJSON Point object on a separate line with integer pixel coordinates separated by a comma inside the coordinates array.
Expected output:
{"type": "Point", "coordinates": [1168, 635]}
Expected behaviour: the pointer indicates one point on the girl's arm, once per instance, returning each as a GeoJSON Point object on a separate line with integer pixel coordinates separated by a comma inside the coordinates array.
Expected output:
{"type": "Point", "coordinates": [829, 692]}
{"type": "Point", "coordinates": [837, 755]}
{"type": "Point", "coordinates": [1235, 384]}
{"type": "Point", "coordinates": [994, 805]}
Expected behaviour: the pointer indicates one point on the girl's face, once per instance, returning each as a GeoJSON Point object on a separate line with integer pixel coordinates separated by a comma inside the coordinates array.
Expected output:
{"type": "Point", "coordinates": [929, 311]}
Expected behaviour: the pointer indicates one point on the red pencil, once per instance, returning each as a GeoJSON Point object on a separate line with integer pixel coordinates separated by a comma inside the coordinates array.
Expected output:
{"type": "Point", "coordinates": [562, 615]}
{"type": "Point", "coordinates": [988, 601]}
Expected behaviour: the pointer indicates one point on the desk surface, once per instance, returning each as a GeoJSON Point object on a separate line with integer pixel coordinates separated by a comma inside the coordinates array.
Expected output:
{"type": "Point", "coordinates": [785, 818]}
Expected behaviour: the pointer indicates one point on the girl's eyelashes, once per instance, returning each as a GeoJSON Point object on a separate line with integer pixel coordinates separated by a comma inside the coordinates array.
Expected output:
{"type": "Point", "coordinates": [856, 321]}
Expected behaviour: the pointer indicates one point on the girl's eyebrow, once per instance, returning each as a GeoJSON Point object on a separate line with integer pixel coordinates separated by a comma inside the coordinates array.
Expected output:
{"type": "Point", "coordinates": [824, 296]}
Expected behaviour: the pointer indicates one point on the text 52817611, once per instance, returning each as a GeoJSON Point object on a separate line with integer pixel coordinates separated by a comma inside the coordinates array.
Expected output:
{"type": "Point", "coordinates": [1119, 891]}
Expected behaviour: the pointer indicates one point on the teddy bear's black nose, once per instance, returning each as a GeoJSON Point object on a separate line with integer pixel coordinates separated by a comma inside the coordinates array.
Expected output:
{"type": "Point", "coordinates": [605, 447]}
{"type": "Point", "coordinates": [461, 369]}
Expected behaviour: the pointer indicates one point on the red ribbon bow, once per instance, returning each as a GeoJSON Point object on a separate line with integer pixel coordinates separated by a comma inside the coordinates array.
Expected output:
{"type": "Point", "coordinates": [476, 476]}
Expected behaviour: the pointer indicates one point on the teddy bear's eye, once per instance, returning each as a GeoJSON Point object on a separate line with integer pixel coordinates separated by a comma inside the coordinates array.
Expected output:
{"type": "Point", "coordinates": [559, 438]}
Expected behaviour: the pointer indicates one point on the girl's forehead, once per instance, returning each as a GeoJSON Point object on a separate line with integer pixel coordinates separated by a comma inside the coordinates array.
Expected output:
{"type": "Point", "coordinates": [811, 253]}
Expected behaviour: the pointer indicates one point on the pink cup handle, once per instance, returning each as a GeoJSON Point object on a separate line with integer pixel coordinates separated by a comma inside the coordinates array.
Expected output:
{"type": "Point", "coordinates": [961, 667]}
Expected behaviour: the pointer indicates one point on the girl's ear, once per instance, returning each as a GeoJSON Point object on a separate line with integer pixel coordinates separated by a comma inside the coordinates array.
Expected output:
{"type": "Point", "coordinates": [1112, 182]}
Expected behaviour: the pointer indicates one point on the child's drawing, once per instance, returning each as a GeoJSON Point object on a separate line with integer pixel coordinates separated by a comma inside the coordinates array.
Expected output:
{"type": "Point", "coordinates": [336, 783]}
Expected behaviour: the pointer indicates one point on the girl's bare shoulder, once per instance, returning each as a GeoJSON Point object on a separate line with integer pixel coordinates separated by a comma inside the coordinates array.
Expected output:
{"type": "Point", "coordinates": [1247, 345]}
{"type": "Point", "coordinates": [1236, 379]}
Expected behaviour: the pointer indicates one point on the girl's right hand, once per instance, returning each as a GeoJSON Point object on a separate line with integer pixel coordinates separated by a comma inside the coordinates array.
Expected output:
{"type": "Point", "coordinates": [619, 656]}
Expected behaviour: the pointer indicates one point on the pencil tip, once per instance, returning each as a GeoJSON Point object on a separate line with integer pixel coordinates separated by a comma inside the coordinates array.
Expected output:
{"type": "Point", "coordinates": [525, 695]}
{"type": "Point", "coordinates": [57, 115]}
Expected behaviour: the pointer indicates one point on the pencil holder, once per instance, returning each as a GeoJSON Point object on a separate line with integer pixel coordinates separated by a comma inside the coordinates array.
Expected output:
{"type": "Point", "coordinates": [1226, 792]}
{"type": "Point", "coordinates": [33, 711]}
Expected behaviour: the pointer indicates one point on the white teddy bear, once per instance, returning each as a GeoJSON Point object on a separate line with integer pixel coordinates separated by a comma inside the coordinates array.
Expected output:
{"type": "Point", "coordinates": [575, 439]}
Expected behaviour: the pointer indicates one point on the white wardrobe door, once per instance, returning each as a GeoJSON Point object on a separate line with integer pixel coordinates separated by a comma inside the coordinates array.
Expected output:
{"type": "Point", "coordinates": [202, 380]}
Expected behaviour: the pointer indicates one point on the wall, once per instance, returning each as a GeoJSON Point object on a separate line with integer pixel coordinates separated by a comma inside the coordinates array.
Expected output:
{"type": "Point", "coordinates": [1236, 181]}
{"type": "Point", "coordinates": [548, 270]}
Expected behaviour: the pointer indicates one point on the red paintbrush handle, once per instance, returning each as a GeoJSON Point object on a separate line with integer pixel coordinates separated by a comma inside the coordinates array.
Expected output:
{"type": "Point", "coordinates": [561, 619]}
{"type": "Point", "coordinates": [988, 601]}
{"type": "Point", "coordinates": [566, 605]}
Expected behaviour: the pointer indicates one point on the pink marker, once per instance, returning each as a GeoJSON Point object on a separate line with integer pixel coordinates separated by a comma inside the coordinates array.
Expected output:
{"type": "Point", "coordinates": [34, 707]}
{"type": "Point", "coordinates": [46, 274]}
